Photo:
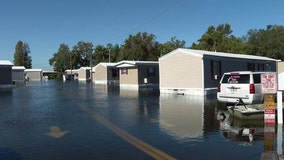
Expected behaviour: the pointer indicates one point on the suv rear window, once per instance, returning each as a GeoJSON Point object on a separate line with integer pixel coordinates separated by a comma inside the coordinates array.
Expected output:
{"type": "Point", "coordinates": [238, 78]}
{"type": "Point", "coordinates": [256, 78]}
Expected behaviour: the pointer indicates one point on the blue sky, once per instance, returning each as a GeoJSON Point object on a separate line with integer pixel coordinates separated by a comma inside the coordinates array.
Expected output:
{"type": "Point", "coordinates": [45, 24]}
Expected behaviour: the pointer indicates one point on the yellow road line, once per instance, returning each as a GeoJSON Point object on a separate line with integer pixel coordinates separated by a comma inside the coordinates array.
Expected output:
{"type": "Point", "coordinates": [150, 150]}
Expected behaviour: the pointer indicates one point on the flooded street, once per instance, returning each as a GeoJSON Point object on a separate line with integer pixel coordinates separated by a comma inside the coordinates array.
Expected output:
{"type": "Point", "coordinates": [72, 120]}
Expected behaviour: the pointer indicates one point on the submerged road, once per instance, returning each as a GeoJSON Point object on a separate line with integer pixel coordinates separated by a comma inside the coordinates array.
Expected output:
{"type": "Point", "coordinates": [148, 149]}
{"type": "Point", "coordinates": [73, 120]}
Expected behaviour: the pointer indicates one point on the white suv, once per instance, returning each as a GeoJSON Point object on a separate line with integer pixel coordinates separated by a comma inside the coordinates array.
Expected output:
{"type": "Point", "coordinates": [242, 86]}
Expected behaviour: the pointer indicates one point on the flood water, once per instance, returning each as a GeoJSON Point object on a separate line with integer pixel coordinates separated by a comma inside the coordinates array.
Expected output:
{"type": "Point", "coordinates": [73, 120]}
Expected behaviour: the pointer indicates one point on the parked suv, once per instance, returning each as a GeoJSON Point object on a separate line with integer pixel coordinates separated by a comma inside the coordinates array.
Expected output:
{"type": "Point", "coordinates": [242, 86]}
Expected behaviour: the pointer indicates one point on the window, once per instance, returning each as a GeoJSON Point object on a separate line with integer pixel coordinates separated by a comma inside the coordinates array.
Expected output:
{"type": "Point", "coordinates": [114, 72]}
{"type": "Point", "coordinates": [250, 67]}
{"type": "Point", "coordinates": [124, 70]}
{"type": "Point", "coordinates": [257, 78]}
{"type": "Point", "coordinates": [237, 79]}
{"type": "Point", "coordinates": [215, 69]}
{"type": "Point", "coordinates": [260, 67]}
{"type": "Point", "coordinates": [151, 72]}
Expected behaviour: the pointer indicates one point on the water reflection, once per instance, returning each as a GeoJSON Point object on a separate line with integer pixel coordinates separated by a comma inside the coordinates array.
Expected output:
{"type": "Point", "coordinates": [244, 131]}
{"type": "Point", "coordinates": [181, 116]}
{"type": "Point", "coordinates": [139, 107]}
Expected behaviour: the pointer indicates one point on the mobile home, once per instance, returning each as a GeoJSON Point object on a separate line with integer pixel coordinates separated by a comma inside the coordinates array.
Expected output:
{"type": "Point", "coordinates": [106, 73]}
{"type": "Point", "coordinates": [5, 74]}
{"type": "Point", "coordinates": [138, 74]}
{"type": "Point", "coordinates": [18, 74]}
{"type": "Point", "coordinates": [34, 74]}
{"type": "Point", "coordinates": [197, 72]}
{"type": "Point", "coordinates": [84, 74]}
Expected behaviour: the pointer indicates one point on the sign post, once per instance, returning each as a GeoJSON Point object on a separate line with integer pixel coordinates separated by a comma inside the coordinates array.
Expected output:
{"type": "Point", "coordinates": [280, 72]}
{"type": "Point", "coordinates": [269, 88]}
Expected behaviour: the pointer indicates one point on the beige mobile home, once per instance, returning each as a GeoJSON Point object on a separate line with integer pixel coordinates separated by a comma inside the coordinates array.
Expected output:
{"type": "Point", "coordinates": [106, 73]}
{"type": "Point", "coordinates": [5, 74]}
{"type": "Point", "coordinates": [84, 74]}
{"type": "Point", "coordinates": [138, 74]}
{"type": "Point", "coordinates": [34, 74]}
{"type": "Point", "coordinates": [18, 74]}
{"type": "Point", "coordinates": [197, 72]}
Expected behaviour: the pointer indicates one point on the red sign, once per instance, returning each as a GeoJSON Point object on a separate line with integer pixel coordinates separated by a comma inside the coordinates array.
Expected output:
{"type": "Point", "coordinates": [269, 111]}
{"type": "Point", "coordinates": [269, 83]}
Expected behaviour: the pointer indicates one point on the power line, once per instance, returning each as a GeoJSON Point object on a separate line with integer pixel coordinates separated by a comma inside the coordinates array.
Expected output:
{"type": "Point", "coordinates": [173, 4]}
{"type": "Point", "coordinates": [159, 14]}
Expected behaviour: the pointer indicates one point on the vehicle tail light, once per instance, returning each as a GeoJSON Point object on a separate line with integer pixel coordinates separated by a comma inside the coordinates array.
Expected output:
{"type": "Point", "coordinates": [219, 87]}
{"type": "Point", "coordinates": [251, 89]}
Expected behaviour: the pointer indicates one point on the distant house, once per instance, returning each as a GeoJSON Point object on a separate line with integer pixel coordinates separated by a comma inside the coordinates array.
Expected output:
{"type": "Point", "coordinates": [71, 74]}
{"type": "Point", "coordinates": [34, 74]}
{"type": "Point", "coordinates": [106, 73]}
{"type": "Point", "coordinates": [138, 74]}
{"type": "Point", "coordinates": [18, 74]}
{"type": "Point", "coordinates": [49, 74]}
{"type": "Point", "coordinates": [5, 74]}
{"type": "Point", "coordinates": [84, 73]}
{"type": "Point", "coordinates": [198, 72]}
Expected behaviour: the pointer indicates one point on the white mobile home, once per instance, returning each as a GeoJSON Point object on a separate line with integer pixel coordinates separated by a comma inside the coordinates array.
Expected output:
{"type": "Point", "coordinates": [18, 74]}
{"type": "Point", "coordinates": [34, 74]}
{"type": "Point", "coordinates": [198, 72]}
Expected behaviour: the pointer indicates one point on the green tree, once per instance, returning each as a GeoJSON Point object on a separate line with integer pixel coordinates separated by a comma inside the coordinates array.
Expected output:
{"type": "Point", "coordinates": [220, 39]}
{"type": "Point", "coordinates": [21, 55]}
{"type": "Point", "coordinates": [114, 53]}
{"type": "Point", "coordinates": [171, 45]}
{"type": "Point", "coordinates": [61, 59]}
{"type": "Point", "coordinates": [101, 54]}
{"type": "Point", "coordinates": [83, 53]}
{"type": "Point", "coordinates": [141, 46]}
{"type": "Point", "coordinates": [267, 42]}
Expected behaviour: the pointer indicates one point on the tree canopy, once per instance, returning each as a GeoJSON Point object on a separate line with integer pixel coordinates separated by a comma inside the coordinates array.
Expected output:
{"type": "Point", "coordinates": [267, 42]}
{"type": "Point", "coordinates": [61, 59]}
{"type": "Point", "coordinates": [82, 53]}
{"type": "Point", "coordinates": [219, 39]}
{"type": "Point", "coordinates": [21, 55]}
{"type": "Point", "coordinates": [171, 45]}
{"type": "Point", "coordinates": [143, 46]}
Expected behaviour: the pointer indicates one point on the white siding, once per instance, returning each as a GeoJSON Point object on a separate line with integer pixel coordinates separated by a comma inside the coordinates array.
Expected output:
{"type": "Point", "coordinates": [181, 72]}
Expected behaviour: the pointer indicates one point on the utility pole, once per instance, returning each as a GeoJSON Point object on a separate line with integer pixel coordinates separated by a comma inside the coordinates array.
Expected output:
{"type": "Point", "coordinates": [91, 63]}
{"type": "Point", "coordinates": [71, 65]}
{"type": "Point", "coordinates": [109, 46]}
{"type": "Point", "coordinates": [109, 55]}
